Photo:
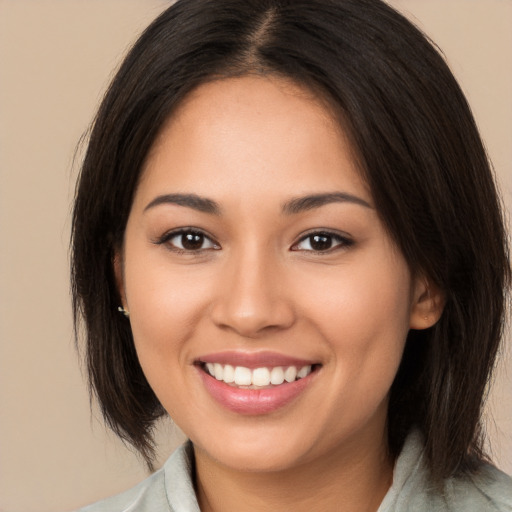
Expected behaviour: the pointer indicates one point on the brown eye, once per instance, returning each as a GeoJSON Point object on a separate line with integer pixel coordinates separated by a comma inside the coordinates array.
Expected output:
{"type": "Point", "coordinates": [192, 241]}
{"type": "Point", "coordinates": [322, 242]}
{"type": "Point", "coordinates": [188, 240]}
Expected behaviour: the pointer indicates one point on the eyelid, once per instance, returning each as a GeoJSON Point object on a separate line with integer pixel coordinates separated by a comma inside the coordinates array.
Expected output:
{"type": "Point", "coordinates": [169, 235]}
{"type": "Point", "coordinates": [344, 240]}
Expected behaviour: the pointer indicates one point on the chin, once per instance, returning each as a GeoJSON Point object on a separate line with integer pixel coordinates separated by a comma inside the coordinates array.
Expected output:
{"type": "Point", "coordinates": [261, 457]}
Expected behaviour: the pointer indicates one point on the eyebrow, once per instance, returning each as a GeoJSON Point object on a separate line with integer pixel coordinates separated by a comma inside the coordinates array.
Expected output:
{"type": "Point", "coordinates": [310, 202]}
{"type": "Point", "coordinates": [201, 204]}
{"type": "Point", "coordinates": [294, 206]}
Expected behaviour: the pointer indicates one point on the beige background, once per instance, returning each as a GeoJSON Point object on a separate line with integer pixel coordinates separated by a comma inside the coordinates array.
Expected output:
{"type": "Point", "coordinates": [56, 57]}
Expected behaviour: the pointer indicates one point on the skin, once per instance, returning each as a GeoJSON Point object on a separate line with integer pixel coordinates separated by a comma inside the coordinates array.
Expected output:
{"type": "Point", "coordinates": [252, 144]}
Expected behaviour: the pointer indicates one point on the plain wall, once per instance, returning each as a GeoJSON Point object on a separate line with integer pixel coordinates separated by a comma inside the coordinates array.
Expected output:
{"type": "Point", "coordinates": [56, 57]}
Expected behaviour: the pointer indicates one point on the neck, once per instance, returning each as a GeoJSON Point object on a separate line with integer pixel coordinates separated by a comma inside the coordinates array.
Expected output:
{"type": "Point", "coordinates": [352, 478]}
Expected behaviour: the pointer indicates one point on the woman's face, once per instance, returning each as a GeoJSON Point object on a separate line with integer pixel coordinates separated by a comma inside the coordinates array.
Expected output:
{"type": "Point", "coordinates": [253, 251]}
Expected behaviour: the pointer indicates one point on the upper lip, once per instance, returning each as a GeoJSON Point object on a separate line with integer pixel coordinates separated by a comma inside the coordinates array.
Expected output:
{"type": "Point", "coordinates": [254, 359]}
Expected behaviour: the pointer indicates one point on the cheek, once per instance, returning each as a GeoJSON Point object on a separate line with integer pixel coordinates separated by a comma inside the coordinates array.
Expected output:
{"type": "Point", "coordinates": [367, 291]}
{"type": "Point", "coordinates": [166, 306]}
{"type": "Point", "coordinates": [363, 315]}
{"type": "Point", "coordinates": [166, 311]}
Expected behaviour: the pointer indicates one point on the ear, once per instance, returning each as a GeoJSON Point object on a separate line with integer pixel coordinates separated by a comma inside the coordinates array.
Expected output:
{"type": "Point", "coordinates": [428, 304]}
{"type": "Point", "coordinates": [119, 276]}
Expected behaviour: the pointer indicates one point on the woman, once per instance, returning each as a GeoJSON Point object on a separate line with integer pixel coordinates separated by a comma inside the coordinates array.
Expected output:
{"type": "Point", "coordinates": [287, 237]}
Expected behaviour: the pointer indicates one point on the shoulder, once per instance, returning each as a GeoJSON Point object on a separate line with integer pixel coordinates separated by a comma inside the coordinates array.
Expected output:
{"type": "Point", "coordinates": [147, 495]}
{"type": "Point", "coordinates": [486, 490]}
{"type": "Point", "coordinates": [168, 490]}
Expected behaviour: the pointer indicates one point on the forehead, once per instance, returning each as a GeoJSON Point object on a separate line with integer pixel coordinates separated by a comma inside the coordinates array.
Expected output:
{"type": "Point", "coordinates": [252, 132]}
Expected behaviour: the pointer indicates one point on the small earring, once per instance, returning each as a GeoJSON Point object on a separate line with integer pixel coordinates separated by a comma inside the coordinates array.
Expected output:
{"type": "Point", "coordinates": [428, 297]}
{"type": "Point", "coordinates": [125, 312]}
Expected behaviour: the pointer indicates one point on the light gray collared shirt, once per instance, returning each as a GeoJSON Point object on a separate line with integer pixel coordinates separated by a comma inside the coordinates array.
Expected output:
{"type": "Point", "coordinates": [171, 488]}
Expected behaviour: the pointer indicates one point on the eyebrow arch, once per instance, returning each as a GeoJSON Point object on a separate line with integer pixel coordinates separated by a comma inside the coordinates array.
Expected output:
{"type": "Point", "coordinates": [201, 204]}
{"type": "Point", "coordinates": [302, 204]}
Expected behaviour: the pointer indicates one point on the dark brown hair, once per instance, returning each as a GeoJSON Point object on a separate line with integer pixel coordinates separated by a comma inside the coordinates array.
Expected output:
{"type": "Point", "coordinates": [419, 151]}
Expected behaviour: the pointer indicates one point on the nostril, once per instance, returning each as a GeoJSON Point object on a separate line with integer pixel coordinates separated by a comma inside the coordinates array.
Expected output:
{"type": "Point", "coordinates": [253, 320]}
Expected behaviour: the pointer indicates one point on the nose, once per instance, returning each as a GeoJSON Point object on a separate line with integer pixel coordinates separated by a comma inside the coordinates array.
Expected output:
{"type": "Point", "coordinates": [253, 298]}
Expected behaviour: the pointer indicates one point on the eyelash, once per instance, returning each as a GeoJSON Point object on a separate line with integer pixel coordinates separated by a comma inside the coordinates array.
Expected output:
{"type": "Point", "coordinates": [342, 241]}
{"type": "Point", "coordinates": [167, 237]}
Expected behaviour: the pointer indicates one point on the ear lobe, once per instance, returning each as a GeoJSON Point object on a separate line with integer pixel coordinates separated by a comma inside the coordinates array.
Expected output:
{"type": "Point", "coordinates": [119, 277]}
{"type": "Point", "coordinates": [428, 304]}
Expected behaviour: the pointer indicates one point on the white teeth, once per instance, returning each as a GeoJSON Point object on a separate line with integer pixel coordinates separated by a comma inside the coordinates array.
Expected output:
{"type": "Point", "coordinates": [259, 377]}
{"type": "Point", "coordinates": [304, 372]}
{"type": "Point", "coordinates": [290, 374]}
{"type": "Point", "coordinates": [243, 376]}
{"type": "Point", "coordinates": [229, 374]}
{"type": "Point", "coordinates": [277, 376]}
{"type": "Point", "coordinates": [218, 371]}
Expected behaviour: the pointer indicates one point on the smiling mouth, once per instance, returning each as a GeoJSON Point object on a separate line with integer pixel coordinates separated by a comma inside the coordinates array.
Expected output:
{"type": "Point", "coordinates": [257, 378]}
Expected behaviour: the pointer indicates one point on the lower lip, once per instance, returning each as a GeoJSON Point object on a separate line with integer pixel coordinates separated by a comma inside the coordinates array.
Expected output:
{"type": "Point", "coordinates": [253, 401]}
